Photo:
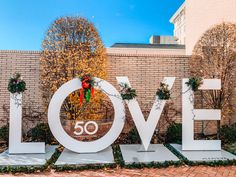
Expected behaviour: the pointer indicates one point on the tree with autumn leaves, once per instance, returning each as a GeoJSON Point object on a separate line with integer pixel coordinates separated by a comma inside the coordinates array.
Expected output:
{"type": "Point", "coordinates": [214, 57]}
{"type": "Point", "coordinates": [72, 48]}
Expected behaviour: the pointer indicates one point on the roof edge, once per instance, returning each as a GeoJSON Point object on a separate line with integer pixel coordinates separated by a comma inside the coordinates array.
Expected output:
{"type": "Point", "coordinates": [20, 51]}
{"type": "Point", "coordinates": [177, 13]}
{"type": "Point", "coordinates": [147, 46]}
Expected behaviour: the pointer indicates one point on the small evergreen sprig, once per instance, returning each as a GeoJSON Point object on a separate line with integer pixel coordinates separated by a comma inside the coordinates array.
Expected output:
{"type": "Point", "coordinates": [194, 83]}
{"type": "Point", "coordinates": [127, 93]}
{"type": "Point", "coordinates": [163, 92]}
{"type": "Point", "coordinates": [16, 84]}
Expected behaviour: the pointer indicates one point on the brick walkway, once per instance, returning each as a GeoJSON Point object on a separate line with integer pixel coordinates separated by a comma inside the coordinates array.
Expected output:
{"type": "Point", "coordinates": [197, 171]}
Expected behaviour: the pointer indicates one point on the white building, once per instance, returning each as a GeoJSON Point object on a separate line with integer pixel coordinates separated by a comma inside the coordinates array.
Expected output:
{"type": "Point", "coordinates": [178, 19]}
{"type": "Point", "coordinates": [195, 17]}
{"type": "Point", "coordinates": [191, 21]}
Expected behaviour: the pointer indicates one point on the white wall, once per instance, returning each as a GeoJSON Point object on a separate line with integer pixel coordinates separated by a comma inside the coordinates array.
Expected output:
{"type": "Point", "coordinates": [203, 14]}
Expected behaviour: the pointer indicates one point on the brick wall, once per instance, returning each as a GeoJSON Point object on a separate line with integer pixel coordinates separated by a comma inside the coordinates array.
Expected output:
{"type": "Point", "coordinates": [145, 72]}
{"type": "Point", "coordinates": [26, 63]}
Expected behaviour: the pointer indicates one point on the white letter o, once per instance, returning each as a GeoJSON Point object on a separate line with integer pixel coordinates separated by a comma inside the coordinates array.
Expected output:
{"type": "Point", "coordinates": [79, 146]}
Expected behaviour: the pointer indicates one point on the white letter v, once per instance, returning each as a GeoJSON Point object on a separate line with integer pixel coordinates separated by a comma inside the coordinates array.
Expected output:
{"type": "Point", "coordinates": [147, 127]}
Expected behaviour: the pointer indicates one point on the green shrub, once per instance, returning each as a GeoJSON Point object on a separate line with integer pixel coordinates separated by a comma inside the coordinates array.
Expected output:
{"type": "Point", "coordinates": [42, 133]}
{"type": "Point", "coordinates": [4, 133]}
{"type": "Point", "coordinates": [174, 133]}
{"type": "Point", "coordinates": [132, 137]}
{"type": "Point", "coordinates": [231, 148]}
{"type": "Point", "coordinates": [228, 134]}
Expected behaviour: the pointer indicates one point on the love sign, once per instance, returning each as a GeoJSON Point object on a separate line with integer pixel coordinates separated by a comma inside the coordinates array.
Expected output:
{"type": "Point", "coordinates": [145, 128]}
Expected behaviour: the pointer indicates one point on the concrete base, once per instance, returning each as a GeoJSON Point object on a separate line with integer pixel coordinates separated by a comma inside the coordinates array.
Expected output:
{"type": "Point", "coordinates": [68, 157]}
{"type": "Point", "coordinates": [157, 153]}
{"type": "Point", "coordinates": [204, 156]}
{"type": "Point", "coordinates": [19, 160]}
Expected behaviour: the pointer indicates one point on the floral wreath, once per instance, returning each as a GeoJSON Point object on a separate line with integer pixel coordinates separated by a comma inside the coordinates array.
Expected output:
{"type": "Point", "coordinates": [16, 84]}
{"type": "Point", "coordinates": [194, 83]}
{"type": "Point", "coordinates": [87, 90]}
{"type": "Point", "coordinates": [163, 92]}
{"type": "Point", "coordinates": [127, 93]}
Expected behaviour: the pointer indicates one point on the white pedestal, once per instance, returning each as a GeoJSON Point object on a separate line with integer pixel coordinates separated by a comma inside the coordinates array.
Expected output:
{"type": "Point", "coordinates": [68, 157]}
{"type": "Point", "coordinates": [201, 156]}
{"type": "Point", "coordinates": [19, 160]}
{"type": "Point", "coordinates": [158, 153]}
